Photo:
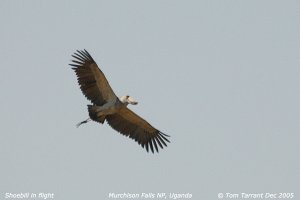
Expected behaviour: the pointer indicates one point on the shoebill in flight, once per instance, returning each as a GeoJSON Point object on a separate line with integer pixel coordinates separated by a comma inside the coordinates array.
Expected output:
{"type": "Point", "coordinates": [106, 106]}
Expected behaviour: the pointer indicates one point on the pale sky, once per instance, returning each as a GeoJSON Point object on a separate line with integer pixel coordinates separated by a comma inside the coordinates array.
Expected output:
{"type": "Point", "coordinates": [220, 77]}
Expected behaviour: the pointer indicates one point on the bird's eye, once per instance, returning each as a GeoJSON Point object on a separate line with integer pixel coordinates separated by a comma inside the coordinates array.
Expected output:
{"type": "Point", "coordinates": [127, 96]}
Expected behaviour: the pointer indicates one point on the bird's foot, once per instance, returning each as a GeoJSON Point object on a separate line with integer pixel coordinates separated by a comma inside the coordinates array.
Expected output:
{"type": "Point", "coordinates": [83, 122]}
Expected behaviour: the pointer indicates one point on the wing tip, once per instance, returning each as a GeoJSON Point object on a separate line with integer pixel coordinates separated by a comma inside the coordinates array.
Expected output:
{"type": "Point", "coordinates": [81, 56]}
{"type": "Point", "coordinates": [164, 134]}
{"type": "Point", "coordinates": [153, 143]}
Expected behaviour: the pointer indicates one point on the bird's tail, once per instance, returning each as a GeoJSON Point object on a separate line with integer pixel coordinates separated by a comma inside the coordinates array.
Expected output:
{"type": "Point", "coordinates": [93, 114]}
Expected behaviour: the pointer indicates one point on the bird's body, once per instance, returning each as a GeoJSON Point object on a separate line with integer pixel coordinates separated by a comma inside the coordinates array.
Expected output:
{"type": "Point", "coordinates": [108, 107]}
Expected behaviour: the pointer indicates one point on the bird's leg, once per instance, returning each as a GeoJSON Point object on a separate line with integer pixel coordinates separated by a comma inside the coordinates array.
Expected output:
{"type": "Point", "coordinates": [83, 122]}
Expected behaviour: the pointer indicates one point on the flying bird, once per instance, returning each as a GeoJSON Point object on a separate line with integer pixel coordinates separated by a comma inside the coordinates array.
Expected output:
{"type": "Point", "coordinates": [106, 106]}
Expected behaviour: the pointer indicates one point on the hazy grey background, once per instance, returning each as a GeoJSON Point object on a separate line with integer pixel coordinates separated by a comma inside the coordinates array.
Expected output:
{"type": "Point", "coordinates": [221, 77]}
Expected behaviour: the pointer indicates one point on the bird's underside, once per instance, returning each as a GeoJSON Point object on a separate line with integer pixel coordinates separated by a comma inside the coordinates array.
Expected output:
{"type": "Point", "coordinates": [106, 106]}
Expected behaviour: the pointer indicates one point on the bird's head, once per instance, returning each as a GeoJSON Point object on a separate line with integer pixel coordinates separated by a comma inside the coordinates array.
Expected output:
{"type": "Point", "coordinates": [128, 100]}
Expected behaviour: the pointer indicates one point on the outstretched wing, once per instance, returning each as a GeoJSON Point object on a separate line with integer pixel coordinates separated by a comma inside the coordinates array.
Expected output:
{"type": "Point", "coordinates": [130, 124]}
{"type": "Point", "coordinates": [91, 79]}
